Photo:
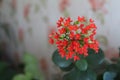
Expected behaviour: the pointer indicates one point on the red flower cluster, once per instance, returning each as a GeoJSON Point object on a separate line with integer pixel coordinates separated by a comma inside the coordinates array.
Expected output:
{"type": "Point", "coordinates": [74, 38]}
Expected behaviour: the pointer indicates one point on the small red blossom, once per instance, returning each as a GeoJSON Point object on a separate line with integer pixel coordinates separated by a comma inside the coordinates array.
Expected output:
{"type": "Point", "coordinates": [77, 36]}
{"type": "Point", "coordinates": [81, 19]}
{"type": "Point", "coordinates": [70, 48]}
{"type": "Point", "coordinates": [51, 41]}
{"type": "Point", "coordinates": [66, 23]}
{"type": "Point", "coordinates": [91, 20]}
{"type": "Point", "coordinates": [81, 26]}
{"type": "Point", "coordinates": [70, 27]}
{"type": "Point", "coordinates": [71, 35]}
{"type": "Point", "coordinates": [59, 24]}
{"type": "Point", "coordinates": [86, 40]}
{"type": "Point", "coordinates": [69, 56]}
{"type": "Point", "coordinates": [76, 58]}
{"type": "Point", "coordinates": [62, 30]}
{"type": "Point", "coordinates": [73, 40]}
{"type": "Point", "coordinates": [56, 36]}
{"type": "Point", "coordinates": [68, 19]}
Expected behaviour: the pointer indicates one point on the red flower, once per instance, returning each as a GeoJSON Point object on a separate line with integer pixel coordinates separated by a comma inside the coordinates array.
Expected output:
{"type": "Point", "coordinates": [68, 19]}
{"type": "Point", "coordinates": [59, 23]}
{"type": "Point", "coordinates": [62, 53]}
{"type": "Point", "coordinates": [70, 28]}
{"type": "Point", "coordinates": [72, 39]}
{"type": "Point", "coordinates": [62, 30]}
{"type": "Point", "coordinates": [91, 20]}
{"type": "Point", "coordinates": [56, 36]}
{"type": "Point", "coordinates": [77, 36]}
{"type": "Point", "coordinates": [51, 41]}
{"type": "Point", "coordinates": [76, 58]}
{"type": "Point", "coordinates": [69, 56]}
{"type": "Point", "coordinates": [70, 48]}
{"type": "Point", "coordinates": [81, 26]}
{"type": "Point", "coordinates": [81, 19]}
{"type": "Point", "coordinates": [71, 35]}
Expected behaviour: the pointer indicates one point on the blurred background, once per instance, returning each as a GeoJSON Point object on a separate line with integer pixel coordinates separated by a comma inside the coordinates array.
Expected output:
{"type": "Point", "coordinates": [26, 24]}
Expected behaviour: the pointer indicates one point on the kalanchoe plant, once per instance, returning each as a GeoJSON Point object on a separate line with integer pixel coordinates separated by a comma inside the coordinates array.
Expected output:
{"type": "Point", "coordinates": [74, 38]}
{"type": "Point", "coordinates": [77, 50]}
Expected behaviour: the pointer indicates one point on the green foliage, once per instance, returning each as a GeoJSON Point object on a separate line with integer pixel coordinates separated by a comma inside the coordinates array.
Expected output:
{"type": "Point", "coordinates": [82, 69]}
{"type": "Point", "coordinates": [20, 77]}
{"type": "Point", "coordinates": [112, 71]}
{"type": "Point", "coordinates": [31, 70]}
{"type": "Point", "coordinates": [92, 67]}
{"type": "Point", "coordinates": [82, 65]}
{"type": "Point", "coordinates": [29, 59]}
{"type": "Point", "coordinates": [61, 62]}
{"type": "Point", "coordinates": [94, 58]}
{"type": "Point", "coordinates": [80, 75]}
{"type": "Point", "coordinates": [67, 68]}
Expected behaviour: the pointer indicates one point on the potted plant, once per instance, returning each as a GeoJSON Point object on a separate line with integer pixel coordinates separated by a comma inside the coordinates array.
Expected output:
{"type": "Point", "coordinates": [77, 51]}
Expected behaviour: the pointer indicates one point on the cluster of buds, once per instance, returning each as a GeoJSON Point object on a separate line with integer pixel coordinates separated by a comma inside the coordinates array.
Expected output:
{"type": "Point", "coordinates": [74, 38]}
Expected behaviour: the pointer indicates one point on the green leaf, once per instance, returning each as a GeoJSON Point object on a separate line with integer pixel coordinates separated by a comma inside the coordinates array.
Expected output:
{"type": "Point", "coordinates": [81, 64]}
{"type": "Point", "coordinates": [109, 75]}
{"type": "Point", "coordinates": [67, 68]}
{"type": "Point", "coordinates": [31, 69]}
{"type": "Point", "coordinates": [91, 75]}
{"type": "Point", "coordinates": [29, 59]}
{"type": "Point", "coordinates": [19, 77]}
{"type": "Point", "coordinates": [28, 75]}
{"type": "Point", "coordinates": [59, 61]}
{"type": "Point", "coordinates": [72, 75]}
{"type": "Point", "coordinates": [80, 75]}
{"type": "Point", "coordinates": [95, 59]}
